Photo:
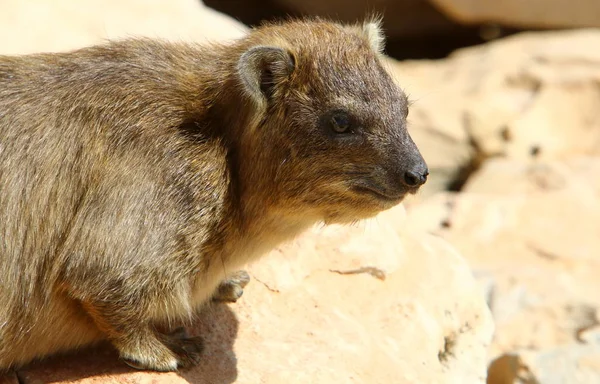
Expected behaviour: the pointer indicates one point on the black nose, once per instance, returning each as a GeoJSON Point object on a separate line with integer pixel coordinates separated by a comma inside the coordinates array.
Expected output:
{"type": "Point", "coordinates": [415, 178]}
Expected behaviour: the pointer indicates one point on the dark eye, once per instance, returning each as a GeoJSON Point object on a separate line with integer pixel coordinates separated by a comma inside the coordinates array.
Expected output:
{"type": "Point", "coordinates": [340, 122]}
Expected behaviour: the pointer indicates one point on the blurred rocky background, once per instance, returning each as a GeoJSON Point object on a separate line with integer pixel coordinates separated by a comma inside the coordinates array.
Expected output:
{"type": "Point", "coordinates": [490, 275]}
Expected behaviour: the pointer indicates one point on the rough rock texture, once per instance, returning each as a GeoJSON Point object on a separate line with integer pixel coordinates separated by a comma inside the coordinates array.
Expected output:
{"type": "Point", "coordinates": [427, 298]}
{"type": "Point", "coordinates": [523, 13]}
{"type": "Point", "coordinates": [530, 232]}
{"type": "Point", "coordinates": [59, 25]}
{"type": "Point", "coordinates": [531, 95]}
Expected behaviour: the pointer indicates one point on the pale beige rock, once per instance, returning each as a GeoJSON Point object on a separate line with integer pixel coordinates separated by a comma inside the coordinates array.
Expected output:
{"type": "Point", "coordinates": [591, 334]}
{"type": "Point", "coordinates": [531, 95]}
{"type": "Point", "coordinates": [533, 91]}
{"type": "Point", "coordinates": [573, 364]}
{"type": "Point", "coordinates": [59, 25]}
{"type": "Point", "coordinates": [370, 327]}
{"type": "Point", "coordinates": [530, 232]}
{"type": "Point", "coordinates": [577, 174]}
{"type": "Point", "coordinates": [523, 13]}
{"type": "Point", "coordinates": [576, 364]}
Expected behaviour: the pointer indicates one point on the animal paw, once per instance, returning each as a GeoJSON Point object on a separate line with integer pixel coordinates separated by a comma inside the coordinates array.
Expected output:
{"type": "Point", "coordinates": [232, 288]}
{"type": "Point", "coordinates": [188, 349]}
{"type": "Point", "coordinates": [166, 352]}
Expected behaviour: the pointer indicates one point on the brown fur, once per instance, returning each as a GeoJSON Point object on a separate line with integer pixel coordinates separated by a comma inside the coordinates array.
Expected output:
{"type": "Point", "coordinates": [135, 175]}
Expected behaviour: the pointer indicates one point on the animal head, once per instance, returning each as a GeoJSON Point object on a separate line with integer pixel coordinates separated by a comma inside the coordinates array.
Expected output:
{"type": "Point", "coordinates": [329, 127]}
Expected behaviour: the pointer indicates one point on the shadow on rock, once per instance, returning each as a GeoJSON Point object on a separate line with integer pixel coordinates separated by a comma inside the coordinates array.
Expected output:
{"type": "Point", "coordinates": [508, 369]}
{"type": "Point", "coordinates": [217, 324]}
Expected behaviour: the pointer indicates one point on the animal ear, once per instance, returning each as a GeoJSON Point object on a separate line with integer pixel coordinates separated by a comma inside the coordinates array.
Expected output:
{"type": "Point", "coordinates": [372, 31]}
{"type": "Point", "coordinates": [261, 69]}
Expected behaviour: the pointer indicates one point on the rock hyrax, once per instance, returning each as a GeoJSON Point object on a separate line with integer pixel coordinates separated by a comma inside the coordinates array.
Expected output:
{"type": "Point", "coordinates": [135, 175]}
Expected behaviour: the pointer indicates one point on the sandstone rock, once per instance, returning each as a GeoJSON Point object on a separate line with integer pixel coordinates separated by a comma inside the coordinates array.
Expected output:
{"type": "Point", "coordinates": [577, 175]}
{"type": "Point", "coordinates": [566, 198]}
{"type": "Point", "coordinates": [58, 25]}
{"type": "Point", "coordinates": [529, 229]}
{"type": "Point", "coordinates": [533, 95]}
{"type": "Point", "coordinates": [384, 318]}
{"type": "Point", "coordinates": [523, 13]}
{"type": "Point", "coordinates": [577, 364]}
{"type": "Point", "coordinates": [591, 334]}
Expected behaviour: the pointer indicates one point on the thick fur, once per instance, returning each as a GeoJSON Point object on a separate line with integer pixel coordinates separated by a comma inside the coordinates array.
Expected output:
{"type": "Point", "coordinates": [134, 176]}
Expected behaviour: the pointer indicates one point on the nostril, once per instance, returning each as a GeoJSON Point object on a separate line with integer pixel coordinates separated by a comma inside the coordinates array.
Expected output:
{"type": "Point", "coordinates": [411, 179]}
{"type": "Point", "coordinates": [414, 179]}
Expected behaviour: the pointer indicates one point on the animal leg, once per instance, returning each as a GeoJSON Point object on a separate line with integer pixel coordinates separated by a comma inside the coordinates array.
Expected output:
{"type": "Point", "coordinates": [139, 344]}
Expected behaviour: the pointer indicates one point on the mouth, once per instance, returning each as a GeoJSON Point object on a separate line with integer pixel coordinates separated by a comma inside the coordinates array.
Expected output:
{"type": "Point", "coordinates": [379, 195]}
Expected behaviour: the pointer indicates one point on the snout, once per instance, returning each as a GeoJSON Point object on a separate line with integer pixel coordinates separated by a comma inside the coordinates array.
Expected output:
{"type": "Point", "coordinates": [411, 170]}
{"type": "Point", "coordinates": [401, 171]}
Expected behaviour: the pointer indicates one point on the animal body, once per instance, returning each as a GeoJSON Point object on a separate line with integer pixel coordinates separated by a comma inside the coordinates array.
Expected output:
{"type": "Point", "coordinates": [136, 175]}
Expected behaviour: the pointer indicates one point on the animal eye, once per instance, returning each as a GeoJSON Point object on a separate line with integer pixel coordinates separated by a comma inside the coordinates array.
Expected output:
{"type": "Point", "coordinates": [340, 122]}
